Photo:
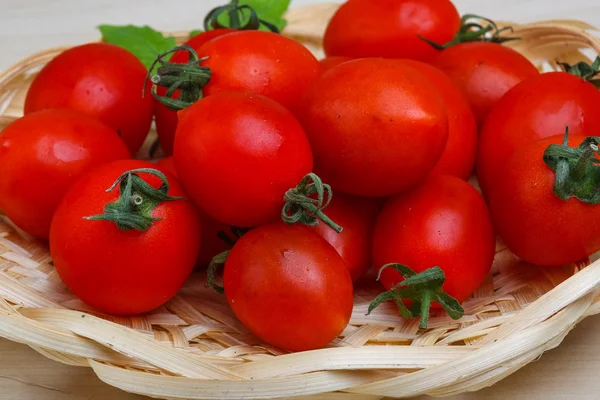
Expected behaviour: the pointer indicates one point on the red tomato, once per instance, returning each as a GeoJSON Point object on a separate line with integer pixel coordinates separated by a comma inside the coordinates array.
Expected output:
{"type": "Point", "coordinates": [211, 243]}
{"type": "Point", "coordinates": [270, 64]}
{"type": "Point", "coordinates": [238, 153]}
{"type": "Point", "coordinates": [329, 62]}
{"type": "Point", "coordinates": [538, 107]}
{"type": "Point", "coordinates": [445, 223]}
{"type": "Point", "coordinates": [164, 118]}
{"type": "Point", "coordinates": [288, 286]}
{"type": "Point", "coordinates": [484, 71]}
{"type": "Point", "coordinates": [376, 127]}
{"type": "Point", "coordinates": [117, 271]}
{"type": "Point", "coordinates": [458, 158]}
{"type": "Point", "coordinates": [42, 154]}
{"type": "Point", "coordinates": [533, 222]}
{"type": "Point", "coordinates": [357, 216]}
{"type": "Point", "coordinates": [101, 80]}
{"type": "Point", "coordinates": [390, 28]}
{"type": "Point", "coordinates": [167, 164]}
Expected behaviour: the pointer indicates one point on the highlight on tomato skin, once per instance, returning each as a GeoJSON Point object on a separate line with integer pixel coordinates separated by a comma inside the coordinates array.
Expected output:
{"type": "Point", "coordinates": [288, 286]}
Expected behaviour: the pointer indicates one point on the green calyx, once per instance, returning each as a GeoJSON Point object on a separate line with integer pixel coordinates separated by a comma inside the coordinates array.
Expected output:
{"type": "Point", "coordinates": [137, 199]}
{"type": "Point", "coordinates": [305, 203]}
{"type": "Point", "coordinates": [577, 170]}
{"type": "Point", "coordinates": [215, 263]}
{"type": "Point", "coordinates": [422, 289]}
{"type": "Point", "coordinates": [187, 78]}
{"type": "Point", "coordinates": [241, 17]}
{"type": "Point", "coordinates": [472, 29]}
{"type": "Point", "coordinates": [585, 71]}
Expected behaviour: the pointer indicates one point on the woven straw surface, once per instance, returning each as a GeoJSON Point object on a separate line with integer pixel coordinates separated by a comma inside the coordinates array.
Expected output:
{"type": "Point", "coordinates": [194, 348]}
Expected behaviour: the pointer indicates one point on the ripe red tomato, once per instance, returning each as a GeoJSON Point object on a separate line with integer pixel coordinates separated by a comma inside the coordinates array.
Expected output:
{"type": "Point", "coordinates": [212, 244]}
{"type": "Point", "coordinates": [536, 108]}
{"type": "Point", "coordinates": [390, 28]}
{"type": "Point", "coordinates": [357, 216]}
{"type": "Point", "coordinates": [42, 154]}
{"type": "Point", "coordinates": [484, 71]}
{"type": "Point", "coordinates": [288, 286]}
{"type": "Point", "coordinates": [534, 223]}
{"type": "Point", "coordinates": [270, 64]}
{"type": "Point", "coordinates": [376, 127]}
{"type": "Point", "coordinates": [101, 80]}
{"type": "Point", "coordinates": [444, 222]}
{"type": "Point", "coordinates": [459, 155]}
{"type": "Point", "coordinates": [329, 62]}
{"type": "Point", "coordinates": [118, 271]}
{"type": "Point", "coordinates": [164, 118]}
{"type": "Point", "coordinates": [238, 153]}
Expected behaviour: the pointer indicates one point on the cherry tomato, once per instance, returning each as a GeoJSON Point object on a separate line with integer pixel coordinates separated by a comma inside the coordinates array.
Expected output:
{"type": "Point", "coordinates": [458, 158]}
{"type": "Point", "coordinates": [357, 216]}
{"type": "Point", "coordinates": [329, 62]}
{"type": "Point", "coordinates": [288, 286]}
{"type": "Point", "coordinates": [533, 222]}
{"type": "Point", "coordinates": [238, 153]}
{"type": "Point", "coordinates": [101, 80]}
{"type": "Point", "coordinates": [42, 154]}
{"type": "Point", "coordinates": [376, 126]}
{"type": "Point", "coordinates": [536, 108]}
{"type": "Point", "coordinates": [164, 118]}
{"type": "Point", "coordinates": [390, 28]}
{"type": "Point", "coordinates": [121, 271]}
{"type": "Point", "coordinates": [167, 164]}
{"type": "Point", "coordinates": [444, 222]}
{"type": "Point", "coordinates": [270, 64]}
{"type": "Point", "coordinates": [484, 71]}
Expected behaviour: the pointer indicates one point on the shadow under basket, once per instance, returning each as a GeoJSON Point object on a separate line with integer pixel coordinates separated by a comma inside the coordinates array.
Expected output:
{"type": "Point", "coordinates": [195, 348]}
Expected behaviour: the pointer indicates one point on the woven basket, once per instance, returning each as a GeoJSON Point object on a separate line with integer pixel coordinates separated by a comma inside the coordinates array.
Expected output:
{"type": "Point", "coordinates": [194, 348]}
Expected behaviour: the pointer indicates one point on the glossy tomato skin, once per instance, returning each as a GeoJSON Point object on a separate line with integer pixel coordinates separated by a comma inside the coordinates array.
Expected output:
{"type": "Point", "coordinates": [288, 286]}
{"type": "Point", "coordinates": [123, 272]}
{"type": "Point", "coordinates": [459, 155]}
{"type": "Point", "coordinates": [42, 154]}
{"type": "Point", "coordinates": [376, 127]}
{"type": "Point", "coordinates": [533, 222]}
{"type": "Point", "coordinates": [390, 28]}
{"type": "Point", "coordinates": [534, 109]}
{"type": "Point", "coordinates": [329, 62]}
{"type": "Point", "coordinates": [270, 64]}
{"type": "Point", "coordinates": [485, 72]}
{"type": "Point", "coordinates": [444, 222]}
{"type": "Point", "coordinates": [357, 216]}
{"type": "Point", "coordinates": [238, 153]}
{"type": "Point", "coordinates": [164, 118]}
{"type": "Point", "coordinates": [101, 80]}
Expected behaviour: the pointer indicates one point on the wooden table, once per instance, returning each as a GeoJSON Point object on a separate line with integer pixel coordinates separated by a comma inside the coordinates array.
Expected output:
{"type": "Point", "coordinates": [27, 26]}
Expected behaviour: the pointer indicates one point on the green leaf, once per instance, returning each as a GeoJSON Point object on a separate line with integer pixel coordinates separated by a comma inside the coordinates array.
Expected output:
{"type": "Point", "coordinates": [142, 41]}
{"type": "Point", "coordinates": [270, 10]}
{"type": "Point", "coordinates": [196, 32]}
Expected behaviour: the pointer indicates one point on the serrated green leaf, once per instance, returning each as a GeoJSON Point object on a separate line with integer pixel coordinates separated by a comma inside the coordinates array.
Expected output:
{"type": "Point", "coordinates": [270, 10]}
{"type": "Point", "coordinates": [142, 41]}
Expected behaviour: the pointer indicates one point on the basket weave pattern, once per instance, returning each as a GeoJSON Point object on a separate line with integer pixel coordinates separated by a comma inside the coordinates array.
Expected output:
{"type": "Point", "coordinates": [194, 347]}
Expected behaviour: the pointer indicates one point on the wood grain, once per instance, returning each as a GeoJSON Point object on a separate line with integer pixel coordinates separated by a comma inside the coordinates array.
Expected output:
{"type": "Point", "coordinates": [27, 26]}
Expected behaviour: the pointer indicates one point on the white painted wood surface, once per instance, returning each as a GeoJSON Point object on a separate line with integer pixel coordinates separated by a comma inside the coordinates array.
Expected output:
{"type": "Point", "coordinates": [27, 26]}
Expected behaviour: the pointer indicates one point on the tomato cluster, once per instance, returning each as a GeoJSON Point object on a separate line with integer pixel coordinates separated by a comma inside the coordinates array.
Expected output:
{"type": "Point", "coordinates": [299, 175]}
